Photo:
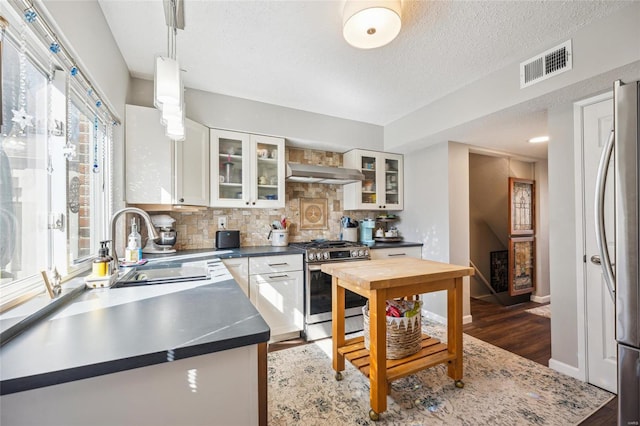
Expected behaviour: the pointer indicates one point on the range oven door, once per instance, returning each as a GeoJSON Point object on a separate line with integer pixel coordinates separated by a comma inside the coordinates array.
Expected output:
{"type": "Point", "coordinates": [318, 297]}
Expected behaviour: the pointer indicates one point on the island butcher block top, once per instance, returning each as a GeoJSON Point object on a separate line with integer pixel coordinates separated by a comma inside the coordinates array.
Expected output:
{"type": "Point", "coordinates": [380, 280]}
{"type": "Point", "coordinates": [393, 273]}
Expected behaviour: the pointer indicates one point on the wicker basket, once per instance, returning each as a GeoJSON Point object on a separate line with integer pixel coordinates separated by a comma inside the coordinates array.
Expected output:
{"type": "Point", "coordinates": [404, 335]}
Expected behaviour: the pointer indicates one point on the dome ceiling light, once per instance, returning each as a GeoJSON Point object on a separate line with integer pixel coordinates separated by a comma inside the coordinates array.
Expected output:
{"type": "Point", "coordinates": [368, 24]}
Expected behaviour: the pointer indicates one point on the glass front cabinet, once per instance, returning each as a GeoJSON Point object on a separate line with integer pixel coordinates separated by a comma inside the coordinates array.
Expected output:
{"type": "Point", "coordinates": [382, 187]}
{"type": "Point", "coordinates": [250, 170]}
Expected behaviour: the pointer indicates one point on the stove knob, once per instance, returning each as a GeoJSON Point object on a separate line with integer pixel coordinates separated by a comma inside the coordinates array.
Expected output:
{"type": "Point", "coordinates": [325, 254]}
{"type": "Point", "coordinates": [354, 253]}
{"type": "Point", "coordinates": [312, 256]}
{"type": "Point", "coordinates": [366, 253]}
{"type": "Point", "coordinates": [360, 253]}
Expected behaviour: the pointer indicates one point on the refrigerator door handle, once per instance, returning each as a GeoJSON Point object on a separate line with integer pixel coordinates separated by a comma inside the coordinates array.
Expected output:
{"type": "Point", "coordinates": [601, 236]}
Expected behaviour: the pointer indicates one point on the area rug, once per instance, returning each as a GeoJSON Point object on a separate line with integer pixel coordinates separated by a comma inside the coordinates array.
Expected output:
{"type": "Point", "coordinates": [500, 389]}
{"type": "Point", "coordinates": [543, 311]}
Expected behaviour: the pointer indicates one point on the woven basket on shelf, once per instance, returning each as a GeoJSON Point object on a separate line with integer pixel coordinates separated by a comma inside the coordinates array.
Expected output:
{"type": "Point", "coordinates": [404, 335]}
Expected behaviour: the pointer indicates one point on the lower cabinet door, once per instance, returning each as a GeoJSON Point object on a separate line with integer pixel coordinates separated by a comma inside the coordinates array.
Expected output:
{"type": "Point", "coordinates": [278, 298]}
{"type": "Point", "coordinates": [390, 253]}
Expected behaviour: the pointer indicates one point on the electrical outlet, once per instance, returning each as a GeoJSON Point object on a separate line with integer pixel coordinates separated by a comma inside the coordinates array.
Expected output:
{"type": "Point", "coordinates": [222, 222]}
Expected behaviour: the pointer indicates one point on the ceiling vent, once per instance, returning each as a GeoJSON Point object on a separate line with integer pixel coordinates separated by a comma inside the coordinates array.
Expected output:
{"type": "Point", "coordinates": [547, 64]}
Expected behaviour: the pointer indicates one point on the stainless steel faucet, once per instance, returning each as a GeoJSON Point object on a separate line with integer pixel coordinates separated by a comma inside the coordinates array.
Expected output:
{"type": "Point", "coordinates": [151, 230]}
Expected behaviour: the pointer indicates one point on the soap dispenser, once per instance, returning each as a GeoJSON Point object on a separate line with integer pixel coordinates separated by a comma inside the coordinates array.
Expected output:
{"type": "Point", "coordinates": [133, 252]}
{"type": "Point", "coordinates": [102, 264]}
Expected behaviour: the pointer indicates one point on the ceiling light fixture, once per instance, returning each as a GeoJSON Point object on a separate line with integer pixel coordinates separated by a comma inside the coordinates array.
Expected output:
{"type": "Point", "coordinates": [539, 139]}
{"type": "Point", "coordinates": [368, 24]}
{"type": "Point", "coordinates": [168, 86]}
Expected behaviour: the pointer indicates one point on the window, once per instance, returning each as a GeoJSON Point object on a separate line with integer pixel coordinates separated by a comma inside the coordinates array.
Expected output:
{"type": "Point", "coordinates": [55, 156]}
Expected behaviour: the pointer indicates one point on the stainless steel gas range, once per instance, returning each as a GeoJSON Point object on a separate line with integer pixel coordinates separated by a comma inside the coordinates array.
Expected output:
{"type": "Point", "coordinates": [317, 287]}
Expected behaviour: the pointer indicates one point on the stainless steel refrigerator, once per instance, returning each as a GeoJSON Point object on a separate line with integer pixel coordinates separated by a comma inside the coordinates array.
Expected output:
{"type": "Point", "coordinates": [621, 266]}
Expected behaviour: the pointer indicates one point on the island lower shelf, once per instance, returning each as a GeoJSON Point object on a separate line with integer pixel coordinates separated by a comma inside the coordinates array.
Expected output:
{"type": "Point", "coordinates": [431, 353]}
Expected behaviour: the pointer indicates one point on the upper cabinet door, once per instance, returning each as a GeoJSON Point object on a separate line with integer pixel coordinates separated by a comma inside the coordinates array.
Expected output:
{"type": "Point", "coordinates": [268, 171]}
{"type": "Point", "coordinates": [149, 157]}
{"type": "Point", "coordinates": [230, 164]}
{"type": "Point", "coordinates": [192, 166]}
{"type": "Point", "coordinates": [250, 170]}
{"type": "Point", "coordinates": [382, 187]}
{"type": "Point", "coordinates": [391, 188]}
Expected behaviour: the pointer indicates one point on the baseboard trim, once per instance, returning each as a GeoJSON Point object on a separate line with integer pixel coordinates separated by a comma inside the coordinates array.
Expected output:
{"type": "Point", "coordinates": [541, 299]}
{"type": "Point", "coordinates": [434, 317]}
{"type": "Point", "coordinates": [567, 369]}
{"type": "Point", "coordinates": [467, 319]}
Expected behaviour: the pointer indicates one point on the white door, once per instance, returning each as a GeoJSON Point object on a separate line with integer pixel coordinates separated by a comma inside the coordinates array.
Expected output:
{"type": "Point", "coordinates": [600, 312]}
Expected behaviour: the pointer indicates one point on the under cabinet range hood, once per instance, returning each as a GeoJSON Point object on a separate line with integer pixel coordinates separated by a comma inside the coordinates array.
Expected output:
{"type": "Point", "coordinates": [310, 173]}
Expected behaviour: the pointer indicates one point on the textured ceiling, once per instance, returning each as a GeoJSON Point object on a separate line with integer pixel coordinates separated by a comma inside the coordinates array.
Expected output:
{"type": "Point", "coordinates": [292, 53]}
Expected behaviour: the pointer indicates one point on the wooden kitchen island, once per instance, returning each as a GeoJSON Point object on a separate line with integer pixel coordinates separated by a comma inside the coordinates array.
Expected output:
{"type": "Point", "coordinates": [379, 280]}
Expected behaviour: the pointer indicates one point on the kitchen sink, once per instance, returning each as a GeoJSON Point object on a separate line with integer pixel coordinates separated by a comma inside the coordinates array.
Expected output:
{"type": "Point", "coordinates": [162, 275]}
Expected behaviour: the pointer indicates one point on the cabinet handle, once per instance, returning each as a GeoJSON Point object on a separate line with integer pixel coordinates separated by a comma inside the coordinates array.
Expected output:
{"type": "Point", "coordinates": [181, 200]}
{"type": "Point", "coordinates": [397, 254]}
{"type": "Point", "coordinates": [277, 264]}
{"type": "Point", "coordinates": [279, 276]}
{"type": "Point", "coordinates": [247, 203]}
{"type": "Point", "coordinates": [253, 203]}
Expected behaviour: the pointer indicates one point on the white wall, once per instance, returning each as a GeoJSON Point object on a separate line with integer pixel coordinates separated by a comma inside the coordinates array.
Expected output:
{"type": "Point", "coordinates": [226, 112]}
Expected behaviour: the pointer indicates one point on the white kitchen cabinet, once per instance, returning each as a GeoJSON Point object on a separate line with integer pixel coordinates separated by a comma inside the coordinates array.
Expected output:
{"type": "Point", "coordinates": [382, 187]}
{"type": "Point", "coordinates": [238, 267]}
{"type": "Point", "coordinates": [192, 165]}
{"type": "Point", "coordinates": [159, 170]}
{"type": "Point", "coordinates": [246, 170]}
{"type": "Point", "coordinates": [276, 290]}
{"type": "Point", "coordinates": [394, 252]}
{"type": "Point", "coordinates": [161, 394]}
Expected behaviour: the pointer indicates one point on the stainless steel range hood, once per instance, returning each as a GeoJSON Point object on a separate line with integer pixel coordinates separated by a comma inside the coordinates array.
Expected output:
{"type": "Point", "coordinates": [310, 173]}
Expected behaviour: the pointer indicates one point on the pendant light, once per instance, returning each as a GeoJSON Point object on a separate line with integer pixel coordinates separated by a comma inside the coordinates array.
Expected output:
{"type": "Point", "coordinates": [368, 24]}
{"type": "Point", "coordinates": [168, 86]}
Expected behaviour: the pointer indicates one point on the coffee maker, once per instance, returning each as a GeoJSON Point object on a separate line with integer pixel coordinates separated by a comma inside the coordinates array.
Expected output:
{"type": "Point", "coordinates": [366, 231]}
{"type": "Point", "coordinates": [168, 236]}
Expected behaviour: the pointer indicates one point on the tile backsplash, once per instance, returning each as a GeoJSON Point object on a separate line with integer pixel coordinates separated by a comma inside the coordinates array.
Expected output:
{"type": "Point", "coordinates": [197, 230]}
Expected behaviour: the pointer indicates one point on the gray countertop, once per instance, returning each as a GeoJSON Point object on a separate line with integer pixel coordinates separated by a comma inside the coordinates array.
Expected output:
{"type": "Point", "coordinates": [104, 331]}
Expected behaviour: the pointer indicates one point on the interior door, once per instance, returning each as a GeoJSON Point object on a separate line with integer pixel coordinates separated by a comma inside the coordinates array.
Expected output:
{"type": "Point", "coordinates": [600, 310]}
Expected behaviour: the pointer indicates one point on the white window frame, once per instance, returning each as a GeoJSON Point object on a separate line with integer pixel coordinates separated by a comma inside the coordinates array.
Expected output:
{"type": "Point", "coordinates": [18, 291]}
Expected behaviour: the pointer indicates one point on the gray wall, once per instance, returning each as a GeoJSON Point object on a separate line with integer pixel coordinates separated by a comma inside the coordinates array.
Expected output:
{"type": "Point", "coordinates": [85, 33]}
{"type": "Point", "coordinates": [562, 237]}
{"type": "Point", "coordinates": [426, 210]}
{"type": "Point", "coordinates": [604, 45]}
{"type": "Point", "coordinates": [225, 112]}
{"type": "Point", "coordinates": [433, 216]}
{"type": "Point", "coordinates": [543, 289]}
{"type": "Point", "coordinates": [488, 177]}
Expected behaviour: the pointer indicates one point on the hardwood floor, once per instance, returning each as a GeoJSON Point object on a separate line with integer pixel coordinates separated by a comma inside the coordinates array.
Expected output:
{"type": "Point", "coordinates": [528, 335]}
{"type": "Point", "coordinates": [517, 331]}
